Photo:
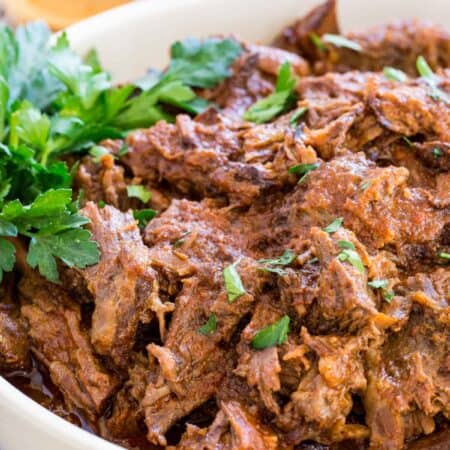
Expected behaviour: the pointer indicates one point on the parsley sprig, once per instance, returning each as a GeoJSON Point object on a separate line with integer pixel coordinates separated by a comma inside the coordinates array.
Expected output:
{"type": "Point", "coordinates": [275, 334]}
{"type": "Point", "coordinates": [281, 100]}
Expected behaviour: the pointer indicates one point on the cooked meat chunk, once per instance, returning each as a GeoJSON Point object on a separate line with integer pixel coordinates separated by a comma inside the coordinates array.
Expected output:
{"type": "Point", "coordinates": [396, 44]}
{"type": "Point", "coordinates": [123, 285]}
{"type": "Point", "coordinates": [59, 341]}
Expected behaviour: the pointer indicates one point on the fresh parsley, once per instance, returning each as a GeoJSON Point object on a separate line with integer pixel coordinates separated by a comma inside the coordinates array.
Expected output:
{"type": "Point", "coordinates": [388, 295]}
{"type": "Point", "coordinates": [282, 99]}
{"type": "Point", "coordinates": [334, 226]}
{"type": "Point", "coordinates": [293, 121]}
{"type": "Point", "coordinates": [444, 255]}
{"type": "Point", "coordinates": [275, 334]}
{"type": "Point", "coordinates": [378, 284]}
{"type": "Point", "coordinates": [210, 326]}
{"type": "Point", "coordinates": [144, 216]}
{"type": "Point", "coordinates": [233, 283]}
{"type": "Point", "coordinates": [180, 241]}
{"type": "Point", "coordinates": [303, 170]}
{"type": "Point", "coordinates": [395, 74]}
{"type": "Point", "coordinates": [54, 229]}
{"type": "Point", "coordinates": [272, 264]}
{"type": "Point", "coordinates": [317, 41]}
{"type": "Point", "coordinates": [341, 41]}
{"type": "Point", "coordinates": [353, 258]}
{"type": "Point", "coordinates": [139, 191]}
{"type": "Point", "coordinates": [346, 245]}
{"type": "Point", "coordinates": [431, 79]}
{"type": "Point", "coordinates": [437, 152]}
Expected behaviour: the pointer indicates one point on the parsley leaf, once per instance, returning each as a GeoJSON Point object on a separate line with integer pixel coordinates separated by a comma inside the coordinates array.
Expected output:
{"type": "Point", "coordinates": [431, 79]}
{"type": "Point", "coordinates": [388, 296]}
{"type": "Point", "coordinates": [144, 216]}
{"type": "Point", "coordinates": [353, 258]}
{"type": "Point", "coordinates": [303, 170]}
{"type": "Point", "coordinates": [233, 283]}
{"type": "Point", "coordinates": [139, 191]}
{"type": "Point", "coordinates": [341, 41]}
{"type": "Point", "coordinates": [437, 152]}
{"type": "Point", "coordinates": [209, 327]}
{"type": "Point", "coordinates": [395, 74]}
{"type": "Point", "coordinates": [281, 100]}
{"type": "Point", "coordinates": [284, 260]}
{"type": "Point", "coordinates": [7, 257]}
{"type": "Point", "coordinates": [275, 334]}
{"type": "Point", "coordinates": [378, 284]}
{"type": "Point", "coordinates": [444, 255]}
{"type": "Point", "coordinates": [334, 226]}
{"type": "Point", "coordinates": [317, 41]}
{"type": "Point", "coordinates": [179, 242]}
{"type": "Point", "coordinates": [296, 116]}
{"type": "Point", "coordinates": [346, 244]}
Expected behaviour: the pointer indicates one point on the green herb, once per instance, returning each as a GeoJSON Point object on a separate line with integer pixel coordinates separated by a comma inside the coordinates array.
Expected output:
{"type": "Point", "coordinates": [346, 244]}
{"type": "Point", "coordinates": [7, 257]}
{"type": "Point", "coordinates": [313, 260]}
{"type": "Point", "coordinates": [334, 226]}
{"type": "Point", "coordinates": [123, 150]}
{"type": "Point", "coordinates": [54, 229]}
{"type": "Point", "coordinates": [144, 216]}
{"type": "Point", "coordinates": [408, 141]}
{"type": "Point", "coordinates": [378, 284]}
{"type": "Point", "coordinates": [395, 74]}
{"type": "Point", "coordinates": [101, 204]}
{"type": "Point", "coordinates": [364, 185]}
{"type": "Point", "coordinates": [437, 152]}
{"type": "Point", "coordinates": [317, 41]}
{"type": "Point", "coordinates": [388, 296]}
{"type": "Point", "coordinates": [284, 260]}
{"type": "Point", "coordinates": [209, 327]}
{"type": "Point", "coordinates": [297, 114]}
{"type": "Point", "coordinates": [341, 41]}
{"type": "Point", "coordinates": [444, 255]}
{"type": "Point", "coordinates": [179, 242]}
{"type": "Point", "coordinates": [353, 258]}
{"type": "Point", "coordinates": [139, 191]}
{"type": "Point", "coordinates": [303, 170]}
{"type": "Point", "coordinates": [233, 283]}
{"type": "Point", "coordinates": [281, 100]}
{"type": "Point", "coordinates": [431, 79]}
{"type": "Point", "coordinates": [97, 152]}
{"type": "Point", "coordinates": [275, 334]}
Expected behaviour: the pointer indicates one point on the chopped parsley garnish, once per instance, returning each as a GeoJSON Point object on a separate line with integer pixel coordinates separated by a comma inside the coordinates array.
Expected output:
{"type": "Point", "coordinates": [97, 152]}
{"type": "Point", "coordinates": [101, 204]}
{"type": "Point", "coordinates": [353, 258]}
{"type": "Point", "coordinates": [282, 99]}
{"type": "Point", "coordinates": [144, 216]}
{"type": "Point", "coordinates": [408, 141]}
{"type": "Point", "coordinates": [334, 226]}
{"type": "Point", "coordinates": [346, 244]}
{"type": "Point", "coordinates": [388, 296]}
{"type": "Point", "coordinates": [378, 284]}
{"type": "Point", "coordinates": [365, 184]}
{"type": "Point", "coordinates": [179, 242]}
{"type": "Point", "coordinates": [293, 121]}
{"type": "Point", "coordinates": [444, 255]}
{"type": "Point", "coordinates": [270, 265]}
{"type": "Point", "coordinates": [233, 283]}
{"type": "Point", "coordinates": [210, 326]}
{"type": "Point", "coordinates": [303, 170]}
{"type": "Point", "coordinates": [341, 41]}
{"type": "Point", "coordinates": [139, 191]}
{"type": "Point", "coordinates": [431, 79]}
{"type": "Point", "coordinates": [123, 150]}
{"type": "Point", "coordinates": [395, 74]}
{"type": "Point", "coordinates": [437, 152]}
{"type": "Point", "coordinates": [317, 41]}
{"type": "Point", "coordinates": [275, 334]}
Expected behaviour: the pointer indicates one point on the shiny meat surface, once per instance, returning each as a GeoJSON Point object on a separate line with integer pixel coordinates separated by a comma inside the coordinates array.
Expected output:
{"type": "Point", "coordinates": [154, 347]}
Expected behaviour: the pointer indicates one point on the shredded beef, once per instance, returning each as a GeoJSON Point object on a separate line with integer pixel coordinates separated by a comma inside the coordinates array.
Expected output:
{"type": "Point", "coordinates": [146, 345]}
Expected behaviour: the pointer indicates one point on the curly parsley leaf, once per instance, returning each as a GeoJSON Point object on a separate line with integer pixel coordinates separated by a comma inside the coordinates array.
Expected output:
{"type": "Point", "coordinates": [282, 99]}
{"type": "Point", "coordinates": [275, 334]}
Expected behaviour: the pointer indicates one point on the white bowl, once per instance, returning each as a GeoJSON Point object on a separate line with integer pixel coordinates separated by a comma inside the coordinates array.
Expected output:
{"type": "Point", "coordinates": [129, 40]}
